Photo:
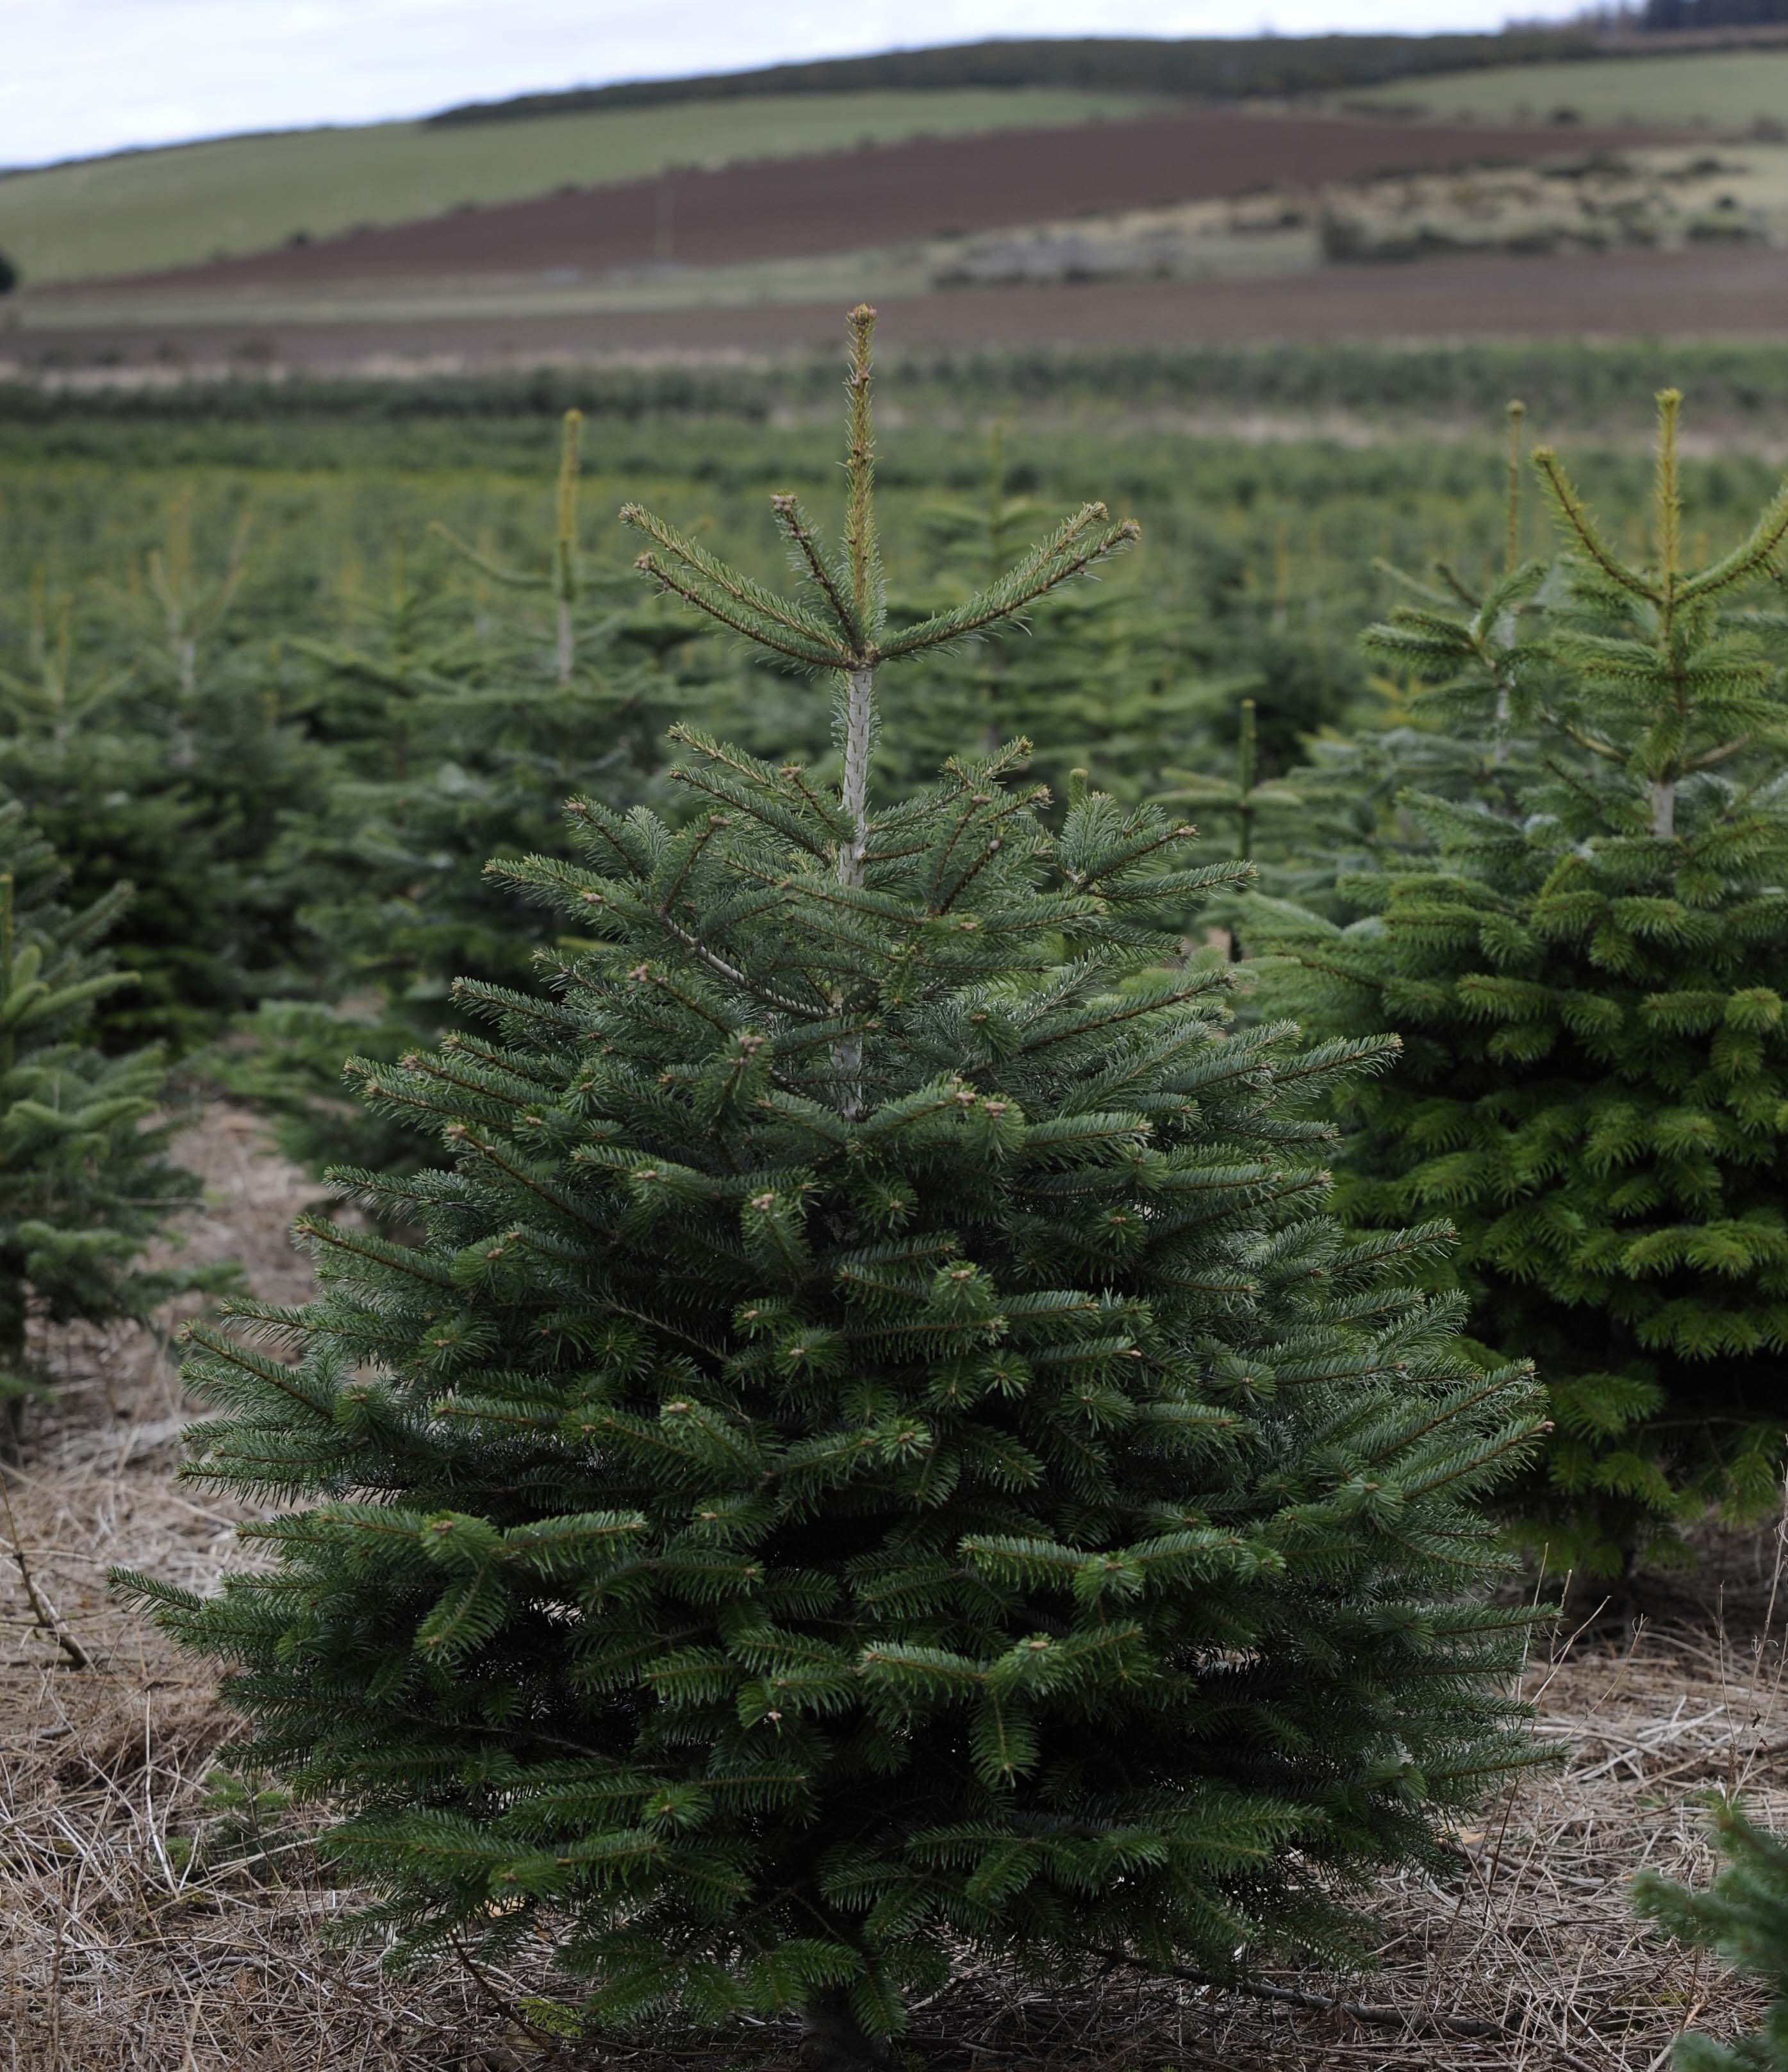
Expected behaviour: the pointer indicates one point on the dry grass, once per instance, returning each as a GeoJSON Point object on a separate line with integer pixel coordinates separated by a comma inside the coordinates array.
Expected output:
{"type": "Point", "coordinates": [142, 1930]}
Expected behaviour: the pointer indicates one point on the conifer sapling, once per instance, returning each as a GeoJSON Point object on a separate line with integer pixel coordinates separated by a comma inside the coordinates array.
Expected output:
{"type": "Point", "coordinates": [84, 1184]}
{"type": "Point", "coordinates": [1744, 1917]}
{"type": "Point", "coordinates": [881, 1451]}
{"type": "Point", "coordinates": [1587, 965]}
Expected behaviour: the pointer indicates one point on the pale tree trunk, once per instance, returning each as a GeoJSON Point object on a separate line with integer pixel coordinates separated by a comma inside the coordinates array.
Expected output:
{"type": "Point", "coordinates": [859, 718]}
{"type": "Point", "coordinates": [859, 721]}
{"type": "Point", "coordinates": [1505, 632]}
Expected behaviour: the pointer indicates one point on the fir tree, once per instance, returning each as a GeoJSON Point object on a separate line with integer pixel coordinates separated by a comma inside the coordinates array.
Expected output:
{"type": "Point", "coordinates": [83, 1185]}
{"type": "Point", "coordinates": [1087, 674]}
{"type": "Point", "coordinates": [563, 578]}
{"type": "Point", "coordinates": [1744, 1918]}
{"type": "Point", "coordinates": [1456, 663]}
{"type": "Point", "coordinates": [149, 750]}
{"type": "Point", "coordinates": [1239, 804]}
{"type": "Point", "coordinates": [475, 737]}
{"type": "Point", "coordinates": [880, 1448]}
{"type": "Point", "coordinates": [1587, 968]}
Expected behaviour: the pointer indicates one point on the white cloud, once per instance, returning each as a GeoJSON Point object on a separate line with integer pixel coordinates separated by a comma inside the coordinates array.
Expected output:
{"type": "Point", "coordinates": [79, 76]}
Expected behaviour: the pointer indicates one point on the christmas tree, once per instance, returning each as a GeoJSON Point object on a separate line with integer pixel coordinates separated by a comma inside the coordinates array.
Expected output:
{"type": "Point", "coordinates": [463, 740]}
{"type": "Point", "coordinates": [1586, 968]}
{"type": "Point", "coordinates": [149, 749]}
{"type": "Point", "coordinates": [880, 1448]}
{"type": "Point", "coordinates": [1456, 665]}
{"type": "Point", "coordinates": [1744, 1917]}
{"type": "Point", "coordinates": [83, 1185]}
{"type": "Point", "coordinates": [1089, 673]}
{"type": "Point", "coordinates": [491, 733]}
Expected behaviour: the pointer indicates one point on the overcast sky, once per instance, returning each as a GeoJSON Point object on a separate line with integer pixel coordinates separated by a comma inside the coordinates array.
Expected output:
{"type": "Point", "coordinates": [79, 76]}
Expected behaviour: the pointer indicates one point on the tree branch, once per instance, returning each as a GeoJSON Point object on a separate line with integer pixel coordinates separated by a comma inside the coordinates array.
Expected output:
{"type": "Point", "coordinates": [46, 1619]}
{"type": "Point", "coordinates": [1422, 2022]}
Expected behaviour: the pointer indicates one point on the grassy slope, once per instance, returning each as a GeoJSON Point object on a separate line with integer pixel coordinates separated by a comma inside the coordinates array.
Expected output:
{"type": "Point", "coordinates": [172, 207]}
{"type": "Point", "coordinates": [1726, 89]}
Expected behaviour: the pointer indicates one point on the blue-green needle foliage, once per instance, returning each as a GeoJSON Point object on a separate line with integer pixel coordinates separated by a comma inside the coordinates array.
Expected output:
{"type": "Point", "coordinates": [85, 1182]}
{"type": "Point", "coordinates": [1590, 970]}
{"type": "Point", "coordinates": [881, 1448]}
{"type": "Point", "coordinates": [1743, 1917]}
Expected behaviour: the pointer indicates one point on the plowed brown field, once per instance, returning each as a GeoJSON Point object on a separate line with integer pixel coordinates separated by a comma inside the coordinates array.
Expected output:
{"type": "Point", "coordinates": [852, 201]}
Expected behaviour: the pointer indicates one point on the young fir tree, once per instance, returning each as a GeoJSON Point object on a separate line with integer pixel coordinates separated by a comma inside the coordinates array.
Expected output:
{"type": "Point", "coordinates": [881, 1448]}
{"type": "Point", "coordinates": [1744, 1918]}
{"type": "Point", "coordinates": [83, 1185]}
{"type": "Point", "coordinates": [1588, 980]}
{"type": "Point", "coordinates": [149, 749]}
{"type": "Point", "coordinates": [1457, 664]}
{"type": "Point", "coordinates": [1234, 812]}
{"type": "Point", "coordinates": [475, 737]}
{"type": "Point", "coordinates": [489, 745]}
{"type": "Point", "coordinates": [1088, 675]}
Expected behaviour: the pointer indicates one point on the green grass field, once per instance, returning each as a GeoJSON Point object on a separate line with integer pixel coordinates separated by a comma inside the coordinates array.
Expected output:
{"type": "Point", "coordinates": [173, 208]}
{"type": "Point", "coordinates": [1725, 89]}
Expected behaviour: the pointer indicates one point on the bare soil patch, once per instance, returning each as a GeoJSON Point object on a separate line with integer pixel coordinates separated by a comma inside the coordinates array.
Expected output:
{"type": "Point", "coordinates": [151, 1926]}
{"type": "Point", "coordinates": [850, 201]}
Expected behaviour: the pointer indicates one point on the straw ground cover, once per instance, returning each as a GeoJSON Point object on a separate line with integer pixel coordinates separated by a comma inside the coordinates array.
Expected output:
{"type": "Point", "coordinates": [162, 1913]}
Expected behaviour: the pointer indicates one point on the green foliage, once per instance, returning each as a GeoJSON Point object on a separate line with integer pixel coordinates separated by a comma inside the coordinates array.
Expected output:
{"type": "Point", "coordinates": [1237, 805]}
{"type": "Point", "coordinates": [453, 421]}
{"type": "Point", "coordinates": [878, 1447]}
{"type": "Point", "coordinates": [1582, 950]}
{"type": "Point", "coordinates": [1455, 723]}
{"type": "Point", "coordinates": [1743, 1917]}
{"type": "Point", "coordinates": [1086, 671]}
{"type": "Point", "coordinates": [151, 751]}
{"type": "Point", "coordinates": [83, 1185]}
{"type": "Point", "coordinates": [459, 741]}
{"type": "Point", "coordinates": [241, 1835]}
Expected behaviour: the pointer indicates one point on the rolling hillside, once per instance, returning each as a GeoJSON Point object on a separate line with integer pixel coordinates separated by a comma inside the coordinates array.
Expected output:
{"type": "Point", "coordinates": [692, 216]}
{"type": "Point", "coordinates": [1201, 68]}
{"type": "Point", "coordinates": [142, 211]}
{"type": "Point", "coordinates": [147, 212]}
{"type": "Point", "coordinates": [1726, 90]}
{"type": "Point", "coordinates": [857, 200]}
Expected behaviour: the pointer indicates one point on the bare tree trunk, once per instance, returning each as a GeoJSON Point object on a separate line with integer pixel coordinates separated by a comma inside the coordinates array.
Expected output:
{"type": "Point", "coordinates": [832, 2039]}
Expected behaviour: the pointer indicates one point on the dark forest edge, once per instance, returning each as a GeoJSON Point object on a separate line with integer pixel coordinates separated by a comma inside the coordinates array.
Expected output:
{"type": "Point", "coordinates": [1215, 67]}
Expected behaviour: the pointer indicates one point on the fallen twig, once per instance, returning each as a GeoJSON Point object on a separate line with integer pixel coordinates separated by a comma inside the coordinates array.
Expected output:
{"type": "Point", "coordinates": [1418, 2020]}
{"type": "Point", "coordinates": [552, 2045]}
{"type": "Point", "coordinates": [47, 1620]}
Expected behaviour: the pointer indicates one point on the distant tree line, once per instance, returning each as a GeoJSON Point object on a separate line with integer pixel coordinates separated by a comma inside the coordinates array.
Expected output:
{"type": "Point", "coordinates": [1221, 68]}
{"type": "Point", "coordinates": [1628, 18]}
{"type": "Point", "coordinates": [1669, 14]}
